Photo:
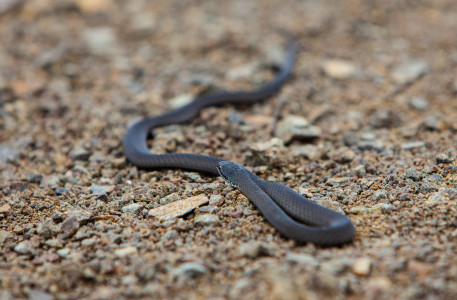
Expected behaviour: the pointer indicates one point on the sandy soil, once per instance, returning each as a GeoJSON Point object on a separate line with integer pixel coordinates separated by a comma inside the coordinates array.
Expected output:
{"type": "Point", "coordinates": [375, 85]}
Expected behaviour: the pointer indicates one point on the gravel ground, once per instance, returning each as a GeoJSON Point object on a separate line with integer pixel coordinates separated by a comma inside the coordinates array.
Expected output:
{"type": "Point", "coordinates": [366, 126]}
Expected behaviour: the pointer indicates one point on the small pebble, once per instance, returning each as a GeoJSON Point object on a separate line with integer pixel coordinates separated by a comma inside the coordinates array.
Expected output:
{"type": "Point", "coordinates": [79, 154]}
{"type": "Point", "coordinates": [125, 251]}
{"type": "Point", "coordinates": [36, 294]}
{"type": "Point", "coordinates": [5, 208]}
{"type": "Point", "coordinates": [302, 259]}
{"type": "Point", "coordinates": [408, 71]}
{"type": "Point", "coordinates": [63, 252]}
{"type": "Point", "coordinates": [361, 266]}
{"type": "Point", "coordinates": [94, 6]}
{"type": "Point", "coordinates": [431, 123]}
{"type": "Point", "coordinates": [382, 208]}
{"type": "Point", "coordinates": [168, 199]}
{"type": "Point", "coordinates": [69, 227]}
{"type": "Point", "coordinates": [33, 177]}
{"type": "Point", "coordinates": [178, 208]}
{"type": "Point", "coordinates": [296, 127]}
{"type": "Point", "coordinates": [215, 200]}
{"type": "Point", "coordinates": [25, 248]}
{"type": "Point", "coordinates": [188, 270]}
{"type": "Point", "coordinates": [412, 145]}
{"type": "Point", "coordinates": [101, 40]}
{"type": "Point", "coordinates": [419, 103]}
{"type": "Point", "coordinates": [181, 100]}
{"type": "Point", "coordinates": [339, 69]}
{"type": "Point", "coordinates": [99, 190]}
{"type": "Point", "coordinates": [413, 174]}
{"type": "Point", "coordinates": [442, 158]}
{"type": "Point", "coordinates": [206, 219]}
{"type": "Point", "coordinates": [8, 153]}
{"type": "Point", "coordinates": [134, 208]}
{"type": "Point", "coordinates": [255, 249]}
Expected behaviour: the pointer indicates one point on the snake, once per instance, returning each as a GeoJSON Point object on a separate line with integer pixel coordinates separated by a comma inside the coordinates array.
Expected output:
{"type": "Point", "coordinates": [292, 214]}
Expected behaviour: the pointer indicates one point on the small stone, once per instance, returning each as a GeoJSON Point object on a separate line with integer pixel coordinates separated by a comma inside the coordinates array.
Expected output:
{"type": "Point", "coordinates": [178, 208]}
{"type": "Point", "coordinates": [94, 6]}
{"type": "Point", "coordinates": [169, 199]}
{"type": "Point", "coordinates": [413, 174]}
{"type": "Point", "coordinates": [294, 126]}
{"type": "Point", "coordinates": [350, 139]}
{"type": "Point", "coordinates": [206, 219]}
{"type": "Point", "coordinates": [259, 120]}
{"type": "Point", "coordinates": [330, 204]}
{"type": "Point", "coordinates": [63, 252]}
{"type": "Point", "coordinates": [255, 249]}
{"type": "Point", "coordinates": [98, 157]}
{"type": "Point", "coordinates": [55, 243]}
{"type": "Point", "coordinates": [442, 158]}
{"type": "Point", "coordinates": [267, 153]}
{"type": "Point", "coordinates": [419, 103]}
{"type": "Point", "coordinates": [79, 154]}
{"type": "Point", "coordinates": [431, 123]}
{"type": "Point", "coordinates": [45, 230]}
{"type": "Point", "coordinates": [181, 100]}
{"type": "Point", "coordinates": [8, 153]}
{"type": "Point", "coordinates": [339, 68]}
{"type": "Point", "coordinates": [5, 208]}
{"type": "Point", "coordinates": [215, 200]}
{"type": "Point", "coordinates": [381, 207]}
{"type": "Point", "coordinates": [134, 208]}
{"type": "Point", "coordinates": [101, 40]}
{"type": "Point", "coordinates": [412, 145]}
{"type": "Point", "coordinates": [82, 216]}
{"type": "Point", "coordinates": [242, 71]}
{"type": "Point", "coordinates": [385, 118]}
{"type": "Point", "coordinates": [337, 265]}
{"type": "Point", "coordinates": [188, 270]}
{"type": "Point", "coordinates": [25, 248]}
{"type": "Point", "coordinates": [100, 190]}
{"type": "Point", "coordinates": [36, 294]}
{"type": "Point", "coordinates": [408, 71]}
{"type": "Point", "coordinates": [69, 227]}
{"type": "Point", "coordinates": [359, 210]}
{"type": "Point", "coordinates": [438, 197]}
{"type": "Point", "coordinates": [33, 177]}
{"type": "Point", "coordinates": [378, 286]}
{"type": "Point", "coordinates": [211, 187]}
{"type": "Point", "coordinates": [57, 216]}
{"type": "Point", "coordinates": [405, 197]}
{"type": "Point", "coordinates": [301, 259]}
{"type": "Point", "coordinates": [5, 5]}
{"type": "Point", "coordinates": [5, 237]}
{"type": "Point", "coordinates": [379, 195]}
{"type": "Point", "coordinates": [60, 191]}
{"type": "Point", "coordinates": [360, 170]}
{"type": "Point", "coordinates": [170, 235]}
{"type": "Point", "coordinates": [345, 157]}
{"type": "Point", "coordinates": [307, 151]}
{"type": "Point", "coordinates": [362, 266]}
{"type": "Point", "coordinates": [125, 251]}
{"type": "Point", "coordinates": [368, 136]}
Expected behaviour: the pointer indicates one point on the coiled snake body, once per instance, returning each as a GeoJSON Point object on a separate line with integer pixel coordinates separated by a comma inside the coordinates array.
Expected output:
{"type": "Point", "coordinates": [291, 214]}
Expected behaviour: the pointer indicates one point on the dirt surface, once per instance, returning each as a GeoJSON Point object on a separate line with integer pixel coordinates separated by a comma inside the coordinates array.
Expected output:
{"type": "Point", "coordinates": [366, 126]}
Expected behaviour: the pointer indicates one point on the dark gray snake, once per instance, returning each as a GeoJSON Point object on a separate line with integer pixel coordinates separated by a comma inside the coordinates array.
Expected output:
{"type": "Point", "coordinates": [290, 213]}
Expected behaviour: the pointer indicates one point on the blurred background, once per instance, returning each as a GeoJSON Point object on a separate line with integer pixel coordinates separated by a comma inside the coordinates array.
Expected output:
{"type": "Point", "coordinates": [374, 80]}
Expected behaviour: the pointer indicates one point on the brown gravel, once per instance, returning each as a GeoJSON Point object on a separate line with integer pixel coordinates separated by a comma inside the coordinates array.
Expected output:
{"type": "Point", "coordinates": [372, 105]}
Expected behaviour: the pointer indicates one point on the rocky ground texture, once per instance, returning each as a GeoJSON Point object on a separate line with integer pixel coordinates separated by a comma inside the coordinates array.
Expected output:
{"type": "Point", "coordinates": [366, 126]}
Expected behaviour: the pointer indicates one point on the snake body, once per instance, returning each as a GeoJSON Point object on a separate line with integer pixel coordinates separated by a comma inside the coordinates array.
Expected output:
{"type": "Point", "coordinates": [290, 213]}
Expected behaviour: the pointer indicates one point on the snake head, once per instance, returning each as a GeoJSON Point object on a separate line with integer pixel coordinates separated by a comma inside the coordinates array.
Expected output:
{"type": "Point", "coordinates": [229, 171]}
